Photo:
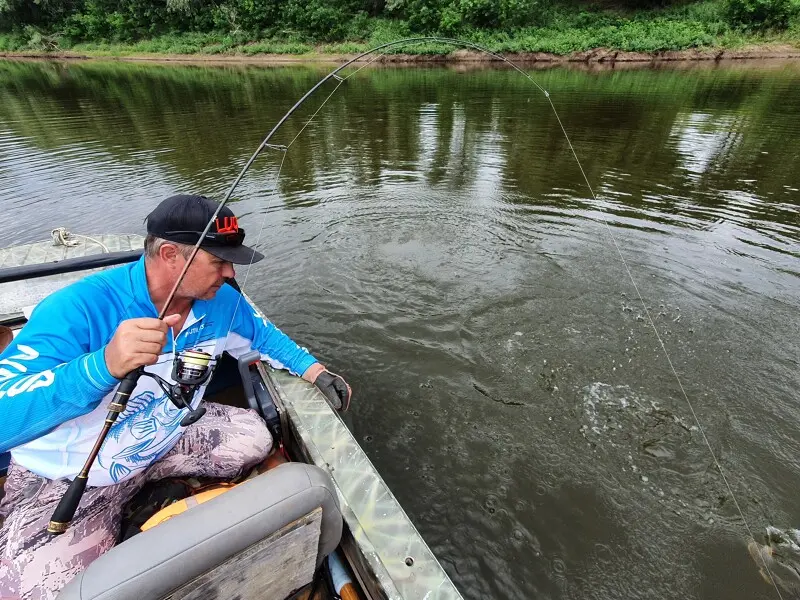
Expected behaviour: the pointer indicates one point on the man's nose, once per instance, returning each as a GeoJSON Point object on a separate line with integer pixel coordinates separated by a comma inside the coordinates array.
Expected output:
{"type": "Point", "coordinates": [229, 271]}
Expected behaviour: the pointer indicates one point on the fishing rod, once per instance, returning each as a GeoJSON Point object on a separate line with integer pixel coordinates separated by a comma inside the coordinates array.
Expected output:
{"type": "Point", "coordinates": [195, 368]}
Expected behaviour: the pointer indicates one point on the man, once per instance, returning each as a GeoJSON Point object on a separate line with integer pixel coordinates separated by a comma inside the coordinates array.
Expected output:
{"type": "Point", "coordinates": [58, 375]}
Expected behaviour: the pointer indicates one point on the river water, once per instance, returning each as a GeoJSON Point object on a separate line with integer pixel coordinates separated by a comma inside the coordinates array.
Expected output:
{"type": "Point", "coordinates": [431, 237]}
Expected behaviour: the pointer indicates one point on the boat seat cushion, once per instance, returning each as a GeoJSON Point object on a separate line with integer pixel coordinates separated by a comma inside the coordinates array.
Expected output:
{"type": "Point", "coordinates": [189, 553]}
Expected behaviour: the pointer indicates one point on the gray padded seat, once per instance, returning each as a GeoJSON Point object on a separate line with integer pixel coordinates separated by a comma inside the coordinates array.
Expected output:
{"type": "Point", "coordinates": [183, 550]}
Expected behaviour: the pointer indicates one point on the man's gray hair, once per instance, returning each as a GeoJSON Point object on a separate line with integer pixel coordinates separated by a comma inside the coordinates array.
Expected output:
{"type": "Point", "coordinates": [152, 245]}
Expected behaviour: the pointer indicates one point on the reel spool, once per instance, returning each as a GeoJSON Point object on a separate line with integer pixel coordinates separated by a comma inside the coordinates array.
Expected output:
{"type": "Point", "coordinates": [191, 368]}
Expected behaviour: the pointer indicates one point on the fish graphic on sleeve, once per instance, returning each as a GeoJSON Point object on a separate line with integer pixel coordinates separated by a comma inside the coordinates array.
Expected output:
{"type": "Point", "coordinates": [149, 428]}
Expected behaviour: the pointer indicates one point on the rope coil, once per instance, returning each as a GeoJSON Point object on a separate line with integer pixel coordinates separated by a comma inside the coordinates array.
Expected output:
{"type": "Point", "coordinates": [62, 237]}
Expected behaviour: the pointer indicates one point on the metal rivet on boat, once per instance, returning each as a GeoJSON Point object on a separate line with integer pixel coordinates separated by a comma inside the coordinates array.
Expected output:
{"type": "Point", "coordinates": [409, 561]}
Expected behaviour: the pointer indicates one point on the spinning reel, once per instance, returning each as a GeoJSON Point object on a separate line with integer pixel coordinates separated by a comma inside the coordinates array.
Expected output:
{"type": "Point", "coordinates": [190, 370]}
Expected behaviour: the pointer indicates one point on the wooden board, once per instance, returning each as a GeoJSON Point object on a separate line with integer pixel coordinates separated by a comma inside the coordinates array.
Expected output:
{"type": "Point", "coordinates": [271, 569]}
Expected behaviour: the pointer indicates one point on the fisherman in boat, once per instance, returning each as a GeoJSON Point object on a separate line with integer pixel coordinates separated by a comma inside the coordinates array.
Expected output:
{"type": "Point", "coordinates": [58, 374]}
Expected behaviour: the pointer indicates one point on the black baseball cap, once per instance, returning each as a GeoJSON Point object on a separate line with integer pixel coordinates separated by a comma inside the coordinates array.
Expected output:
{"type": "Point", "coordinates": [183, 218]}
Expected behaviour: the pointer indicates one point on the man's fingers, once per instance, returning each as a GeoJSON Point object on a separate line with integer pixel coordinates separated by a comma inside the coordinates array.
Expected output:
{"type": "Point", "coordinates": [148, 323]}
{"type": "Point", "coordinates": [171, 320]}
{"type": "Point", "coordinates": [148, 348]}
{"type": "Point", "coordinates": [137, 342]}
{"type": "Point", "coordinates": [344, 391]}
{"type": "Point", "coordinates": [335, 389]}
{"type": "Point", "coordinates": [338, 392]}
{"type": "Point", "coordinates": [151, 335]}
{"type": "Point", "coordinates": [145, 358]}
{"type": "Point", "coordinates": [341, 388]}
{"type": "Point", "coordinates": [333, 397]}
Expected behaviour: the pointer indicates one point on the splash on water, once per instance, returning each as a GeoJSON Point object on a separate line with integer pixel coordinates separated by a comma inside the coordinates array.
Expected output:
{"type": "Point", "coordinates": [608, 408]}
{"type": "Point", "coordinates": [656, 448]}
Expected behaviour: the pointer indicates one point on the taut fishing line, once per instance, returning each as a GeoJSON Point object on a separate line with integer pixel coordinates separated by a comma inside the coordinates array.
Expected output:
{"type": "Point", "coordinates": [375, 54]}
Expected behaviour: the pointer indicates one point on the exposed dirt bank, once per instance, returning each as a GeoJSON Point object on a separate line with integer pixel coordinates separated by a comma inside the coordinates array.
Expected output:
{"type": "Point", "coordinates": [597, 57]}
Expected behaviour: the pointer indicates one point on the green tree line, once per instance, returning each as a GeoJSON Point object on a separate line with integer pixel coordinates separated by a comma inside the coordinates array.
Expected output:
{"type": "Point", "coordinates": [61, 23]}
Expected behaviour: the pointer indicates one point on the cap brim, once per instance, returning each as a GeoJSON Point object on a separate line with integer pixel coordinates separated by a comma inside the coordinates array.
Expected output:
{"type": "Point", "coordinates": [238, 255]}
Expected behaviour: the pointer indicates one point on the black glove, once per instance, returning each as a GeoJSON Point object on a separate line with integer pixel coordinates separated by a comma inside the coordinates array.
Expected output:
{"type": "Point", "coordinates": [335, 389]}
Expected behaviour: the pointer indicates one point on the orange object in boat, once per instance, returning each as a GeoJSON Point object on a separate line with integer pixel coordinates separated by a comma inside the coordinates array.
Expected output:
{"type": "Point", "coordinates": [180, 506]}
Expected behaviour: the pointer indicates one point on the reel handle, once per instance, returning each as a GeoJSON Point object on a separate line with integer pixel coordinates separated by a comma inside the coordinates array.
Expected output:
{"type": "Point", "coordinates": [68, 505]}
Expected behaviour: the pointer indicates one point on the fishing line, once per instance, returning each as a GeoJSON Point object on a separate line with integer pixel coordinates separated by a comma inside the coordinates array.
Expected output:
{"type": "Point", "coordinates": [465, 44]}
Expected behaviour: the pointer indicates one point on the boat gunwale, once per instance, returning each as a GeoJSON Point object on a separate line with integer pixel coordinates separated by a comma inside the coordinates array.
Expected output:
{"type": "Point", "coordinates": [316, 424]}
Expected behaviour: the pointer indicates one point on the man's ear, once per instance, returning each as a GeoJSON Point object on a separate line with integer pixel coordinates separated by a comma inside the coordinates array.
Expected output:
{"type": "Point", "coordinates": [169, 253]}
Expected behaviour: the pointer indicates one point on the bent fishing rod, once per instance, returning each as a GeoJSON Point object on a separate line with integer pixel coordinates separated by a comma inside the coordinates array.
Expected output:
{"type": "Point", "coordinates": [192, 368]}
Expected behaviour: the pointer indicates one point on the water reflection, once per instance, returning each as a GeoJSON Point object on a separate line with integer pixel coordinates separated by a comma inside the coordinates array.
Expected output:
{"type": "Point", "coordinates": [706, 140]}
{"type": "Point", "coordinates": [476, 132]}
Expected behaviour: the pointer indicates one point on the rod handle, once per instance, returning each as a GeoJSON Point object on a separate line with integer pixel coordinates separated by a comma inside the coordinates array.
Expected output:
{"type": "Point", "coordinates": [68, 505]}
{"type": "Point", "coordinates": [126, 387]}
{"type": "Point", "coordinates": [62, 515]}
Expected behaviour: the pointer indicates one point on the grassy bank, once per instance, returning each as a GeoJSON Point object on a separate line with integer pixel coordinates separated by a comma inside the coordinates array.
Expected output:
{"type": "Point", "coordinates": [566, 30]}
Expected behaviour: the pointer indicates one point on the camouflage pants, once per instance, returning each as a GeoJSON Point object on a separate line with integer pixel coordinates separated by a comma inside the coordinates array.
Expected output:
{"type": "Point", "coordinates": [35, 565]}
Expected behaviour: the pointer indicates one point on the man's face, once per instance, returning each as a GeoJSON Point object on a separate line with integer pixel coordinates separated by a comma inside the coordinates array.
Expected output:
{"type": "Point", "coordinates": [205, 276]}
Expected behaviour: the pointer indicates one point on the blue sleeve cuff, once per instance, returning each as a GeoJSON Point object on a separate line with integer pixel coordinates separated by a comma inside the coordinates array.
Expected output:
{"type": "Point", "coordinates": [94, 365]}
{"type": "Point", "coordinates": [303, 365]}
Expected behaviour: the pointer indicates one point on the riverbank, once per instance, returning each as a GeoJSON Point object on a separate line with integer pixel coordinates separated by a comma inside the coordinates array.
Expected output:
{"type": "Point", "coordinates": [598, 56]}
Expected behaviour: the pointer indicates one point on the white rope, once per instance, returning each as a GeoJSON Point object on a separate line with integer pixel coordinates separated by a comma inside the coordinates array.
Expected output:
{"type": "Point", "coordinates": [62, 237]}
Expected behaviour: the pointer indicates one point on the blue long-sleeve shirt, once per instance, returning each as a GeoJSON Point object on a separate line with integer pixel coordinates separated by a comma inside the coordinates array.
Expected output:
{"type": "Point", "coordinates": [54, 379]}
